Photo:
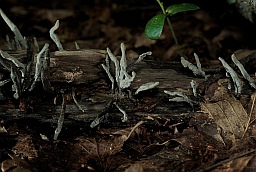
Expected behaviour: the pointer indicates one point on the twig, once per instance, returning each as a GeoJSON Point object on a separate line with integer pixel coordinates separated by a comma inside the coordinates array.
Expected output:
{"type": "Point", "coordinates": [250, 117]}
{"type": "Point", "coordinates": [227, 160]}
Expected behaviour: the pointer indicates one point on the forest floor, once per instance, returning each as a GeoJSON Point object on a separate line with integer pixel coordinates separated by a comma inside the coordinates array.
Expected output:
{"type": "Point", "coordinates": [213, 132]}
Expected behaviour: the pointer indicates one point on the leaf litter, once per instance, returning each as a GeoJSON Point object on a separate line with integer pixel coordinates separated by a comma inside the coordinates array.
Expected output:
{"type": "Point", "coordinates": [221, 124]}
{"type": "Point", "coordinates": [229, 115]}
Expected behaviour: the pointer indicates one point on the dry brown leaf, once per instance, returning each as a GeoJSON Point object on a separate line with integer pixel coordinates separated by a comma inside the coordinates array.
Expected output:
{"type": "Point", "coordinates": [15, 164]}
{"type": "Point", "coordinates": [242, 53]}
{"type": "Point", "coordinates": [229, 115]}
{"type": "Point", "coordinates": [228, 33]}
{"type": "Point", "coordinates": [142, 40]}
{"type": "Point", "coordinates": [190, 138]}
{"type": "Point", "coordinates": [217, 91]}
{"type": "Point", "coordinates": [102, 147]}
{"type": "Point", "coordinates": [108, 146]}
{"type": "Point", "coordinates": [245, 163]}
{"type": "Point", "coordinates": [2, 129]}
{"type": "Point", "coordinates": [208, 128]}
{"type": "Point", "coordinates": [53, 15]}
{"type": "Point", "coordinates": [25, 146]}
{"type": "Point", "coordinates": [135, 168]}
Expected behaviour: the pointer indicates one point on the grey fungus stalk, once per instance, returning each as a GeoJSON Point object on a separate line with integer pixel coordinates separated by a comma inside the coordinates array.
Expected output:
{"type": "Point", "coordinates": [233, 75]}
{"type": "Point", "coordinates": [197, 70]}
{"type": "Point", "coordinates": [54, 37]}
{"type": "Point", "coordinates": [179, 97]}
{"type": "Point", "coordinates": [146, 86]}
{"type": "Point", "coordinates": [243, 71]}
{"type": "Point", "coordinates": [122, 79]}
{"type": "Point", "coordinates": [14, 29]}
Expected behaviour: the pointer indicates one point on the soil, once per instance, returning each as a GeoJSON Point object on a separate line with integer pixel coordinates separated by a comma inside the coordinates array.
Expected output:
{"type": "Point", "coordinates": [211, 130]}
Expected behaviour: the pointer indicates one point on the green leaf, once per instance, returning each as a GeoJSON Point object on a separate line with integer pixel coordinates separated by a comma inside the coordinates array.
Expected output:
{"type": "Point", "coordinates": [231, 1]}
{"type": "Point", "coordinates": [176, 8]}
{"type": "Point", "coordinates": [155, 26]}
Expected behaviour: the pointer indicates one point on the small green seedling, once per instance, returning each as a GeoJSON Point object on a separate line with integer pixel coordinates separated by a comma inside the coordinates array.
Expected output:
{"type": "Point", "coordinates": [155, 25]}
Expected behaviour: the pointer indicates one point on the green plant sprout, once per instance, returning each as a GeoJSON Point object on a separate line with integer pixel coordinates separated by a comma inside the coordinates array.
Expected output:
{"type": "Point", "coordinates": [155, 25]}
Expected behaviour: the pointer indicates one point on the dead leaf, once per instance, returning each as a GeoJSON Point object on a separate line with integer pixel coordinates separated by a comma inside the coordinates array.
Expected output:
{"type": "Point", "coordinates": [102, 147]}
{"type": "Point", "coordinates": [229, 115]}
{"type": "Point", "coordinates": [25, 147]}
{"type": "Point", "coordinates": [251, 107]}
{"type": "Point", "coordinates": [217, 90]}
{"type": "Point", "coordinates": [190, 138]}
{"type": "Point", "coordinates": [15, 165]}
{"type": "Point", "coordinates": [245, 163]}
{"type": "Point", "coordinates": [208, 128]}
{"type": "Point", "coordinates": [103, 151]}
{"type": "Point", "coordinates": [2, 129]}
{"type": "Point", "coordinates": [142, 40]}
{"type": "Point", "coordinates": [229, 33]}
{"type": "Point", "coordinates": [193, 142]}
{"type": "Point", "coordinates": [135, 168]}
{"type": "Point", "coordinates": [110, 145]}
{"type": "Point", "coordinates": [53, 15]}
{"type": "Point", "coordinates": [242, 53]}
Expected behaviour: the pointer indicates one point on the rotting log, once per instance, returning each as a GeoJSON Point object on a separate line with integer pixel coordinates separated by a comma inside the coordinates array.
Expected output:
{"type": "Point", "coordinates": [84, 66]}
{"type": "Point", "coordinates": [77, 66]}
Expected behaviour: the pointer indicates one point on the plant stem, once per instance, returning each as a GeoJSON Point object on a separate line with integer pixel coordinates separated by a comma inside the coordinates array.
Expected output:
{"type": "Point", "coordinates": [171, 28]}
{"type": "Point", "coordinates": [174, 36]}
{"type": "Point", "coordinates": [161, 6]}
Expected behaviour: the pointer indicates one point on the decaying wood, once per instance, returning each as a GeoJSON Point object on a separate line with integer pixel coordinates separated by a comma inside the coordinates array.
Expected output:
{"type": "Point", "coordinates": [83, 66]}
{"type": "Point", "coordinates": [78, 66]}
